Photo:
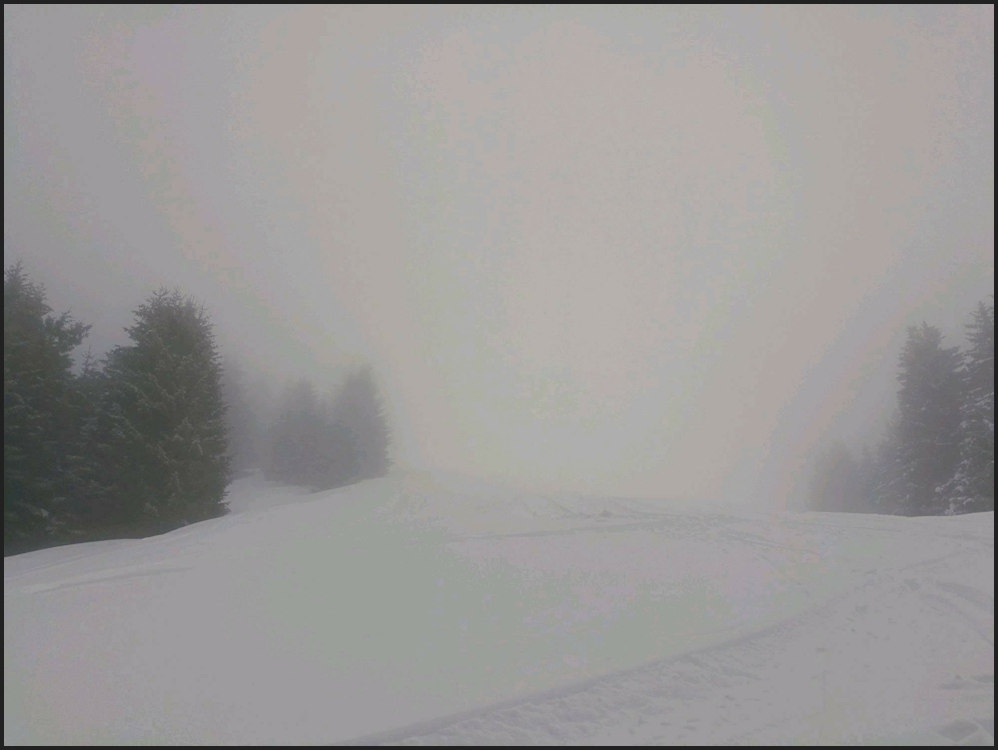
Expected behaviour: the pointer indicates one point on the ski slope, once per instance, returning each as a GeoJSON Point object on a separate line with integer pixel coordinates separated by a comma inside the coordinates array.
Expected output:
{"type": "Point", "coordinates": [432, 609]}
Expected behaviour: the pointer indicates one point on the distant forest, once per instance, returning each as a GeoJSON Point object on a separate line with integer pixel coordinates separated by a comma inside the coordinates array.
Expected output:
{"type": "Point", "coordinates": [938, 454]}
{"type": "Point", "coordinates": [147, 439]}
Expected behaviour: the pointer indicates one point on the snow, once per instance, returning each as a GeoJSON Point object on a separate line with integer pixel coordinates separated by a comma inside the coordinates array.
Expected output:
{"type": "Point", "coordinates": [434, 609]}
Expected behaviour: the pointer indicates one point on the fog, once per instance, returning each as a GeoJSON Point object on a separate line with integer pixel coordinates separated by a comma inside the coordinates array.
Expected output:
{"type": "Point", "coordinates": [648, 250]}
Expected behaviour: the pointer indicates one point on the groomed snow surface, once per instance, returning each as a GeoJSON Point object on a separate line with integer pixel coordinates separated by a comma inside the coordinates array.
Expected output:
{"type": "Point", "coordinates": [429, 609]}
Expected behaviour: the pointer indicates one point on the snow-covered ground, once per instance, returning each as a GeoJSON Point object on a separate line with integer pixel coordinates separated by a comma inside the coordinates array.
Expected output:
{"type": "Point", "coordinates": [431, 609]}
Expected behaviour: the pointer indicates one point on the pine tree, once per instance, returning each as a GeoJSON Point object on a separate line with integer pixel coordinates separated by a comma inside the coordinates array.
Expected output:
{"type": "Point", "coordinates": [40, 417]}
{"type": "Point", "coordinates": [164, 418]}
{"type": "Point", "coordinates": [972, 487]}
{"type": "Point", "coordinates": [929, 420]}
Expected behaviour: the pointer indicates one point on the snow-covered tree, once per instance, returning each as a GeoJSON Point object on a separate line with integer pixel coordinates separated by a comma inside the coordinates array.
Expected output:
{"type": "Point", "coordinates": [886, 494]}
{"type": "Point", "coordinates": [972, 487]}
{"type": "Point", "coordinates": [165, 418]}
{"type": "Point", "coordinates": [928, 420]}
{"type": "Point", "coordinates": [40, 417]}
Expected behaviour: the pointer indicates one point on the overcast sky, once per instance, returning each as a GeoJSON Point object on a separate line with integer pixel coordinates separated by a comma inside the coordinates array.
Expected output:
{"type": "Point", "coordinates": [653, 250]}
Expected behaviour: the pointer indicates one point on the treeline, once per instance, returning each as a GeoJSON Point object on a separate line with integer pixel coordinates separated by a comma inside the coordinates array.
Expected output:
{"type": "Point", "coordinates": [938, 454]}
{"type": "Point", "coordinates": [147, 439]}
{"type": "Point", "coordinates": [327, 443]}
{"type": "Point", "coordinates": [306, 438]}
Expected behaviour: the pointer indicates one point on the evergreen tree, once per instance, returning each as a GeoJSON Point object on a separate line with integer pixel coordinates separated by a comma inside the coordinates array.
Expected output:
{"type": "Point", "coordinates": [972, 487]}
{"type": "Point", "coordinates": [885, 480]}
{"type": "Point", "coordinates": [321, 447]}
{"type": "Point", "coordinates": [299, 448]}
{"type": "Point", "coordinates": [96, 463]}
{"type": "Point", "coordinates": [359, 417]}
{"type": "Point", "coordinates": [164, 418]}
{"type": "Point", "coordinates": [929, 420]}
{"type": "Point", "coordinates": [40, 420]}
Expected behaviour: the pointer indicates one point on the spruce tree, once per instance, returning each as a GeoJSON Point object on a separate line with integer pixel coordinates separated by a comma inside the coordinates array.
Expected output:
{"type": "Point", "coordinates": [359, 418]}
{"type": "Point", "coordinates": [928, 420]}
{"type": "Point", "coordinates": [165, 418]}
{"type": "Point", "coordinates": [885, 480]}
{"type": "Point", "coordinates": [972, 487]}
{"type": "Point", "coordinates": [300, 451]}
{"type": "Point", "coordinates": [98, 464]}
{"type": "Point", "coordinates": [40, 417]}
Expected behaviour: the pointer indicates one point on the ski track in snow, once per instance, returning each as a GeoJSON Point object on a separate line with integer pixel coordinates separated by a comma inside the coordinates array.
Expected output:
{"type": "Point", "coordinates": [679, 700]}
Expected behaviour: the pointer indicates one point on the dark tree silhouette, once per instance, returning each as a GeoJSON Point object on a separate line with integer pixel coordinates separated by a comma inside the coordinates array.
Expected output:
{"type": "Point", "coordinates": [40, 415]}
{"type": "Point", "coordinates": [972, 487]}
{"type": "Point", "coordinates": [359, 417]}
{"type": "Point", "coordinates": [165, 418]}
{"type": "Point", "coordinates": [928, 420]}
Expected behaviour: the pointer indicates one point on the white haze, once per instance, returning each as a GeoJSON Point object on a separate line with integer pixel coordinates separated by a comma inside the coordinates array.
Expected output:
{"type": "Point", "coordinates": [430, 609]}
{"type": "Point", "coordinates": [642, 250]}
